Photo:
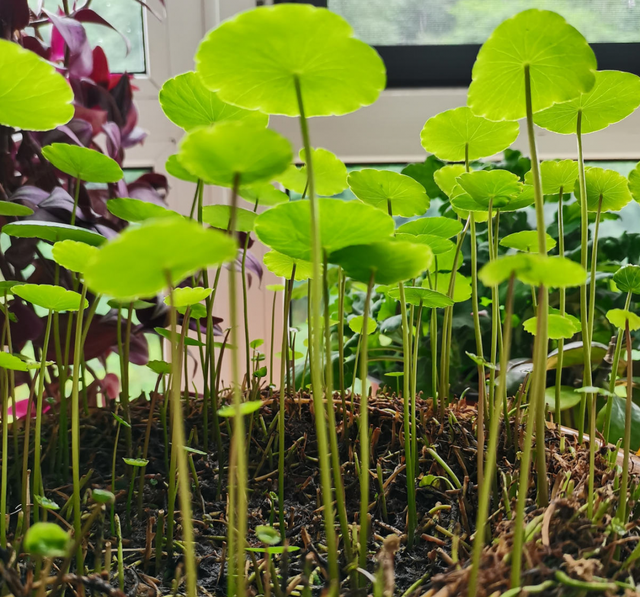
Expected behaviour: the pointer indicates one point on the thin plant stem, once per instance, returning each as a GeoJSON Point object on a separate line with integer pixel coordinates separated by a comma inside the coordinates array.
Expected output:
{"type": "Point", "coordinates": [245, 308]}
{"type": "Point", "coordinates": [562, 306]}
{"type": "Point", "coordinates": [342, 281]}
{"type": "Point", "coordinates": [495, 314]}
{"type": "Point", "coordinates": [626, 442]}
{"type": "Point", "coordinates": [316, 382]}
{"type": "Point", "coordinates": [5, 458]}
{"type": "Point", "coordinates": [433, 339]}
{"type": "Point", "coordinates": [76, 198]}
{"type": "Point", "coordinates": [414, 431]}
{"type": "Point", "coordinates": [273, 332]}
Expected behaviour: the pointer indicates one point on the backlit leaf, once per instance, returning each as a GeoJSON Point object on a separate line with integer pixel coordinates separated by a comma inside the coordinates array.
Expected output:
{"type": "Point", "coordinates": [137, 462]}
{"type": "Point", "coordinates": [495, 187]}
{"type": "Point", "coordinates": [607, 186]}
{"type": "Point", "coordinates": [246, 408]}
{"type": "Point", "coordinates": [414, 295]}
{"type": "Point", "coordinates": [437, 226]}
{"type": "Point", "coordinates": [282, 266]}
{"type": "Point", "coordinates": [330, 174]}
{"type": "Point", "coordinates": [268, 535]}
{"type": "Point", "coordinates": [73, 255]}
{"type": "Point", "coordinates": [619, 318]}
{"type": "Point", "coordinates": [219, 216]}
{"type": "Point", "coordinates": [527, 241]}
{"type": "Point", "coordinates": [634, 182]}
{"type": "Point", "coordinates": [263, 194]}
{"type": "Point", "coordinates": [52, 298]}
{"type": "Point", "coordinates": [187, 296]}
{"type": "Point", "coordinates": [557, 326]}
{"type": "Point", "coordinates": [137, 210]}
{"type": "Point", "coordinates": [80, 162]}
{"type": "Point", "coordinates": [534, 269]}
{"type": "Point", "coordinates": [437, 244]}
{"type": "Point", "coordinates": [556, 175]}
{"type": "Point", "coordinates": [14, 363]}
{"type": "Point", "coordinates": [356, 323]}
{"type": "Point", "coordinates": [461, 291]}
{"type": "Point", "coordinates": [627, 279]}
{"type": "Point", "coordinates": [177, 170]}
{"type": "Point", "coordinates": [9, 208]}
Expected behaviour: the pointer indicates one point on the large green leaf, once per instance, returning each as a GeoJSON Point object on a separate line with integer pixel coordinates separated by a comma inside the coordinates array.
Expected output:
{"type": "Point", "coordinates": [254, 59]}
{"type": "Point", "coordinates": [392, 192]}
{"type": "Point", "coordinates": [286, 228]}
{"type": "Point", "coordinates": [415, 295]}
{"type": "Point", "coordinates": [495, 187]}
{"type": "Point", "coordinates": [558, 326]}
{"type": "Point", "coordinates": [461, 291]}
{"type": "Point", "coordinates": [219, 216]}
{"type": "Point", "coordinates": [437, 226]}
{"type": "Point", "coordinates": [607, 186]}
{"type": "Point", "coordinates": [53, 232]}
{"type": "Point", "coordinates": [9, 208]}
{"type": "Point", "coordinates": [187, 103]}
{"type": "Point", "coordinates": [456, 135]}
{"type": "Point", "coordinates": [137, 210]}
{"type": "Point", "coordinates": [619, 318]}
{"type": "Point", "coordinates": [329, 174]}
{"type": "Point", "coordinates": [47, 540]}
{"type": "Point", "coordinates": [389, 262]}
{"type": "Point", "coordinates": [614, 96]}
{"type": "Point", "coordinates": [627, 279]}
{"type": "Point", "coordinates": [52, 298]}
{"type": "Point", "coordinates": [560, 62]}
{"type": "Point", "coordinates": [618, 417]}
{"type": "Point", "coordinates": [534, 269]}
{"type": "Point", "coordinates": [80, 162]}
{"type": "Point", "coordinates": [137, 263]}
{"type": "Point", "coordinates": [437, 244]}
{"type": "Point", "coordinates": [527, 241]}
{"type": "Point", "coordinates": [556, 175]}
{"type": "Point", "coordinates": [264, 194]}
{"type": "Point", "coordinates": [282, 266]}
{"type": "Point", "coordinates": [73, 255]}
{"type": "Point", "coordinates": [33, 96]}
{"type": "Point", "coordinates": [228, 150]}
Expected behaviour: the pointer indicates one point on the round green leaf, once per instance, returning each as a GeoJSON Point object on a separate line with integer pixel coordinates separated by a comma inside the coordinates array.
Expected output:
{"type": "Point", "coordinates": [136, 263]}
{"type": "Point", "coordinates": [560, 62]}
{"type": "Point", "coordinates": [263, 194]}
{"type": "Point", "coordinates": [456, 135]}
{"type": "Point", "coordinates": [415, 295]}
{"type": "Point", "coordinates": [497, 187]}
{"type": "Point", "coordinates": [137, 462]}
{"type": "Point", "coordinates": [137, 210]}
{"type": "Point", "coordinates": [607, 186]}
{"type": "Point", "coordinates": [187, 103]}
{"type": "Point", "coordinates": [614, 96]}
{"type": "Point", "coordinates": [330, 174]}
{"type": "Point", "coordinates": [534, 269]}
{"type": "Point", "coordinates": [556, 175]}
{"type": "Point", "coordinates": [185, 297]}
{"type": "Point", "coordinates": [527, 241]}
{"type": "Point", "coordinates": [246, 408]}
{"type": "Point", "coordinates": [9, 208]}
{"type": "Point", "coordinates": [437, 244]}
{"type": "Point", "coordinates": [389, 191]}
{"type": "Point", "coordinates": [80, 162]}
{"type": "Point", "coordinates": [462, 288]}
{"type": "Point", "coordinates": [627, 279]}
{"type": "Point", "coordinates": [356, 323]}
{"type": "Point", "coordinates": [73, 255]}
{"type": "Point", "coordinates": [568, 398]}
{"type": "Point", "coordinates": [268, 535]}
{"type": "Point", "coordinates": [634, 182]}
{"type": "Point", "coordinates": [177, 170]}
{"type": "Point", "coordinates": [52, 298]}
{"type": "Point", "coordinates": [557, 326]}
{"type": "Point", "coordinates": [33, 95]}
{"type": "Point", "coordinates": [619, 318]}
{"type": "Point", "coordinates": [254, 60]}
{"type": "Point", "coordinates": [47, 540]}
{"type": "Point", "coordinates": [102, 496]}
{"type": "Point", "coordinates": [286, 228]}
{"type": "Point", "coordinates": [282, 266]}
{"type": "Point", "coordinates": [436, 226]}
{"type": "Point", "coordinates": [53, 232]}
{"type": "Point", "coordinates": [219, 216]}
{"type": "Point", "coordinates": [447, 178]}
{"type": "Point", "coordinates": [388, 261]}
{"type": "Point", "coordinates": [228, 150]}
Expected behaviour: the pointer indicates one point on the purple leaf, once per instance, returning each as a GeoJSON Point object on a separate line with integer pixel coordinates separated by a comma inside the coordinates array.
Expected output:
{"type": "Point", "coordinates": [75, 37]}
{"type": "Point", "coordinates": [114, 141]}
{"type": "Point", "coordinates": [29, 196]}
{"type": "Point", "coordinates": [86, 15]}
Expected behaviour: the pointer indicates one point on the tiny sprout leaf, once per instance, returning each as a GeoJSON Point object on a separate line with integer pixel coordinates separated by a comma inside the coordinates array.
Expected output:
{"type": "Point", "coordinates": [102, 496]}
{"type": "Point", "coordinates": [219, 216]}
{"type": "Point", "coordinates": [220, 154]}
{"type": "Point", "coordinates": [80, 162]}
{"type": "Point", "coordinates": [194, 451]}
{"type": "Point", "coordinates": [261, 372]}
{"type": "Point", "coordinates": [246, 408]}
{"type": "Point", "coordinates": [311, 47]}
{"type": "Point", "coordinates": [606, 188]}
{"type": "Point", "coordinates": [415, 295]}
{"type": "Point", "coordinates": [177, 170]}
{"type": "Point", "coordinates": [556, 175]}
{"type": "Point", "coordinates": [282, 266]}
{"type": "Point", "coordinates": [619, 318]}
{"type": "Point", "coordinates": [392, 192]}
{"type": "Point", "coordinates": [46, 503]}
{"type": "Point", "coordinates": [137, 462]}
{"type": "Point", "coordinates": [160, 367]}
{"type": "Point", "coordinates": [52, 298]}
{"type": "Point", "coordinates": [330, 174]}
{"type": "Point", "coordinates": [480, 361]}
{"type": "Point", "coordinates": [627, 279]}
{"type": "Point", "coordinates": [73, 255]}
{"type": "Point", "coordinates": [166, 334]}
{"type": "Point", "coordinates": [437, 226]}
{"type": "Point", "coordinates": [268, 535]}
{"type": "Point", "coordinates": [356, 323]}
{"type": "Point", "coordinates": [121, 421]}
{"type": "Point", "coordinates": [53, 232]}
{"type": "Point", "coordinates": [9, 208]}
{"type": "Point", "coordinates": [47, 540]}
{"type": "Point", "coordinates": [456, 135]}
{"type": "Point", "coordinates": [189, 104]}
{"type": "Point", "coordinates": [257, 343]}
{"type": "Point", "coordinates": [526, 241]}
{"type": "Point", "coordinates": [185, 297]}
{"type": "Point", "coordinates": [557, 326]}
{"type": "Point", "coordinates": [137, 210]}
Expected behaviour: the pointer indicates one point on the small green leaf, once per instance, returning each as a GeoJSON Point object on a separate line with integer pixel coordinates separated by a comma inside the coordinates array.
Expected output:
{"type": "Point", "coordinates": [47, 540]}
{"type": "Point", "coordinates": [126, 305]}
{"type": "Point", "coordinates": [619, 318]}
{"type": "Point", "coordinates": [557, 326]}
{"type": "Point", "coordinates": [120, 420]}
{"type": "Point", "coordinates": [415, 295]}
{"type": "Point", "coordinates": [46, 503]}
{"type": "Point", "coordinates": [137, 462]}
{"type": "Point", "coordinates": [220, 154]}
{"type": "Point", "coordinates": [137, 210]}
{"type": "Point", "coordinates": [246, 408]}
{"type": "Point", "coordinates": [480, 361]}
{"type": "Point", "coordinates": [80, 162]}
{"type": "Point", "coordinates": [196, 311]}
{"type": "Point", "coordinates": [256, 343]}
{"type": "Point", "coordinates": [194, 451]}
{"type": "Point", "coordinates": [267, 535]}
{"type": "Point", "coordinates": [9, 208]}
{"type": "Point", "coordinates": [282, 266]}
{"type": "Point", "coordinates": [160, 367]}
{"type": "Point", "coordinates": [33, 95]}
{"type": "Point", "coordinates": [627, 279]}
{"type": "Point", "coordinates": [437, 226]}
{"type": "Point", "coordinates": [14, 363]}
{"type": "Point", "coordinates": [177, 170]}
{"type": "Point", "coordinates": [495, 187]}
{"type": "Point", "coordinates": [526, 241]}
{"type": "Point", "coordinates": [185, 297]}
{"type": "Point", "coordinates": [73, 255]}
{"type": "Point", "coordinates": [568, 398]}
{"type": "Point", "coordinates": [53, 232]}
{"type": "Point", "coordinates": [456, 135]}
{"type": "Point", "coordinates": [52, 298]}
{"type": "Point", "coordinates": [606, 187]}
{"type": "Point", "coordinates": [254, 59]}
{"type": "Point", "coordinates": [594, 390]}
{"type": "Point", "coordinates": [560, 62]}
{"type": "Point", "coordinates": [356, 323]}
{"type": "Point", "coordinates": [261, 372]}
{"type": "Point", "coordinates": [187, 103]}
{"type": "Point", "coordinates": [556, 175]}
{"type": "Point", "coordinates": [389, 191]}
{"type": "Point", "coordinates": [102, 496]}
{"type": "Point", "coordinates": [263, 194]}
{"type": "Point", "coordinates": [219, 216]}
{"type": "Point", "coordinates": [329, 173]}
{"type": "Point", "coordinates": [275, 287]}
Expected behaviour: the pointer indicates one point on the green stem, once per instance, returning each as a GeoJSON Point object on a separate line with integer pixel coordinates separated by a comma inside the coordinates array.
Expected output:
{"type": "Point", "coordinates": [626, 443]}
{"type": "Point", "coordinates": [5, 459]}
{"type": "Point", "coordinates": [316, 382]}
{"type": "Point", "coordinates": [433, 339]}
{"type": "Point", "coordinates": [273, 333]}
{"type": "Point", "coordinates": [562, 306]}
{"type": "Point", "coordinates": [414, 388]}
{"type": "Point", "coordinates": [495, 314]}
{"type": "Point", "coordinates": [342, 281]}
{"type": "Point", "coordinates": [245, 307]}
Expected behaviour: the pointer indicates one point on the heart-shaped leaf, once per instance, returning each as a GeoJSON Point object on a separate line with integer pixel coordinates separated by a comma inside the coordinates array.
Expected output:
{"type": "Point", "coordinates": [282, 266]}
{"type": "Point", "coordinates": [33, 96]}
{"type": "Point", "coordinates": [220, 154]}
{"type": "Point", "coordinates": [490, 187]}
{"type": "Point", "coordinates": [627, 279]}
{"type": "Point", "coordinates": [137, 263]}
{"type": "Point", "coordinates": [9, 208]}
{"type": "Point", "coordinates": [392, 192]}
{"type": "Point", "coordinates": [389, 262]}
{"type": "Point", "coordinates": [219, 216]}
{"type": "Point", "coordinates": [52, 298]}
{"type": "Point", "coordinates": [185, 297]}
{"type": "Point", "coordinates": [556, 175]}
{"type": "Point", "coordinates": [560, 62]}
{"type": "Point", "coordinates": [606, 188]}
{"type": "Point", "coordinates": [177, 170]}
{"type": "Point", "coordinates": [47, 540]}
{"type": "Point", "coordinates": [614, 96]}
{"type": "Point", "coordinates": [286, 228]}
{"type": "Point", "coordinates": [80, 162]}
{"type": "Point", "coordinates": [557, 326]}
{"type": "Point", "coordinates": [73, 255]}
{"type": "Point", "coordinates": [263, 194]}
{"type": "Point", "coordinates": [137, 210]}
{"type": "Point", "coordinates": [330, 174]}
{"type": "Point", "coordinates": [356, 323]}
{"type": "Point", "coordinates": [53, 232]}
{"type": "Point", "coordinates": [456, 135]}
{"type": "Point", "coordinates": [187, 103]}
{"type": "Point", "coordinates": [619, 318]}
{"type": "Point", "coordinates": [254, 60]}
{"type": "Point", "coordinates": [436, 226]}
{"type": "Point", "coordinates": [415, 295]}
{"type": "Point", "coordinates": [527, 241]}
